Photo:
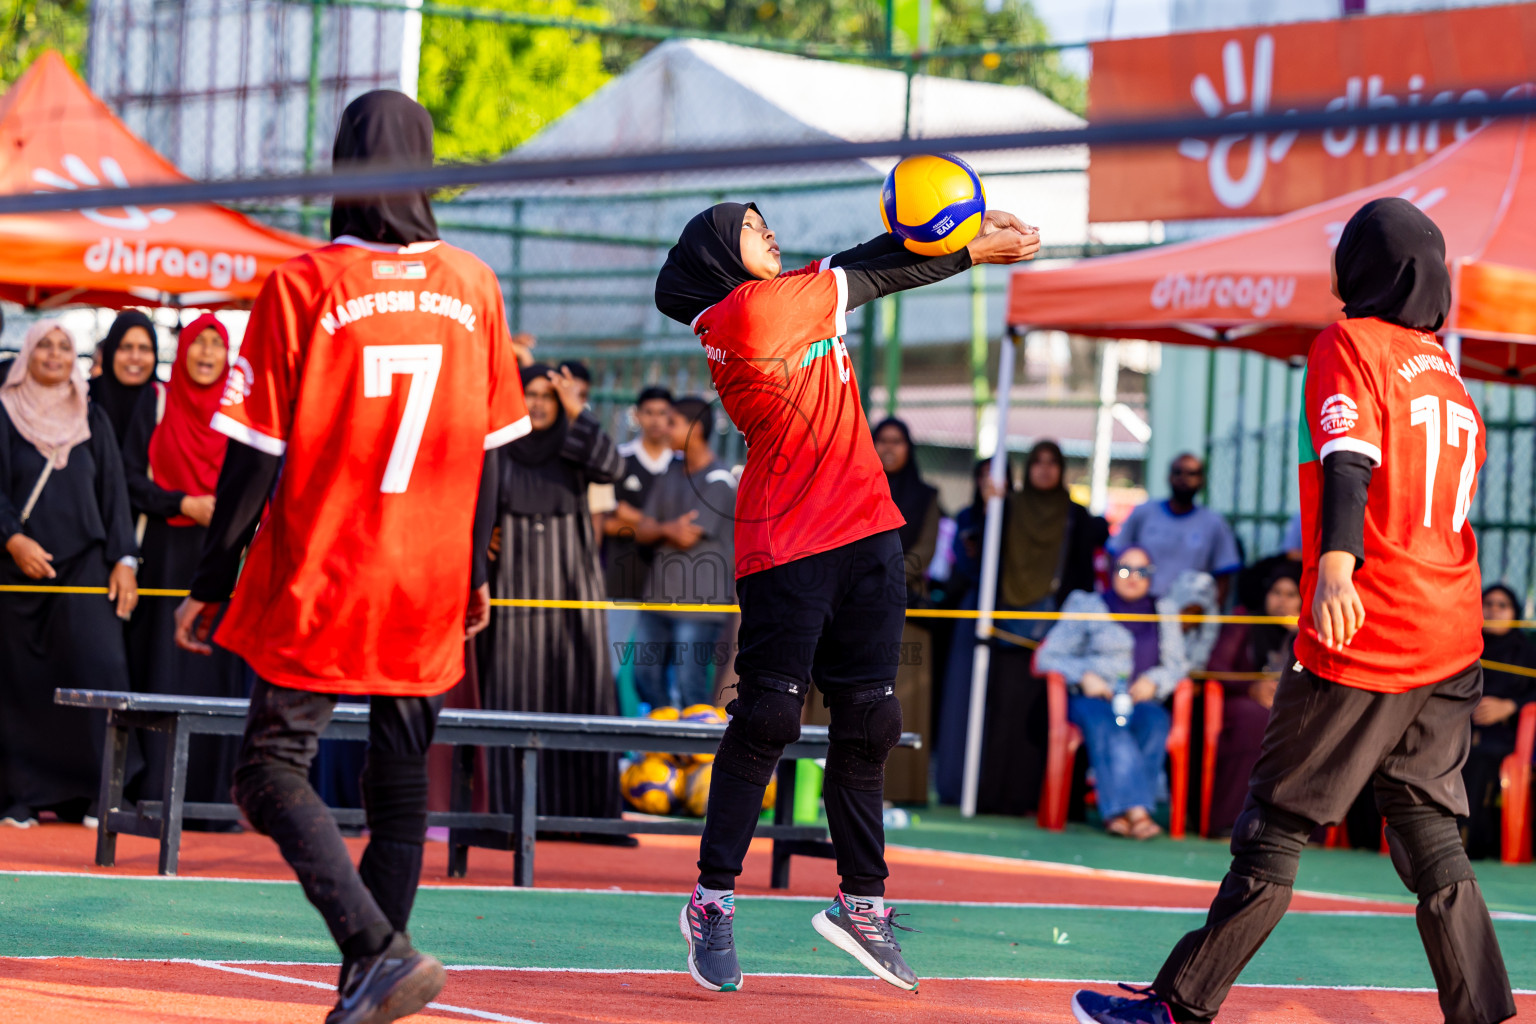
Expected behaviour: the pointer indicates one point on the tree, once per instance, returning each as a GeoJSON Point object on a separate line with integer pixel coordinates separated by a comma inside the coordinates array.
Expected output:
{"type": "Point", "coordinates": [32, 26]}
{"type": "Point", "coordinates": [490, 87]}
{"type": "Point", "coordinates": [861, 24]}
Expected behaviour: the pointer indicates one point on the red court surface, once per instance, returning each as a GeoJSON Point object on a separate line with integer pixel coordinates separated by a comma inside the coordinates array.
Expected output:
{"type": "Point", "coordinates": [659, 863]}
{"type": "Point", "coordinates": [74, 991]}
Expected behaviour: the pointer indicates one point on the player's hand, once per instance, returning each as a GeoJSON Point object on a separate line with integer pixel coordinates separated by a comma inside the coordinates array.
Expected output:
{"type": "Point", "coordinates": [478, 614]}
{"type": "Point", "coordinates": [566, 389]}
{"type": "Point", "coordinates": [1006, 245]}
{"type": "Point", "coordinates": [199, 509]}
{"type": "Point", "coordinates": [1262, 692]}
{"type": "Point", "coordinates": [30, 557]}
{"type": "Point", "coordinates": [998, 220]}
{"type": "Point", "coordinates": [1491, 710]}
{"type": "Point", "coordinates": [683, 532]}
{"type": "Point", "coordinates": [1094, 685]}
{"type": "Point", "coordinates": [194, 624]}
{"type": "Point", "coordinates": [522, 347]}
{"type": "Point", "coordinates": [123, 587]}
{"type": "Point", "coordinates": [1143, 690]}
{"type": "Point", "coordinates": [1336, 609]}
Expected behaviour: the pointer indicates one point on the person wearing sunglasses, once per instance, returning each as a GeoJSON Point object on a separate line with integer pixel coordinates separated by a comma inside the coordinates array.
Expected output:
{"type": "Point", "coordinates": [1107, 662]}
{"type": "Point", "coordinates": [1180, 535]}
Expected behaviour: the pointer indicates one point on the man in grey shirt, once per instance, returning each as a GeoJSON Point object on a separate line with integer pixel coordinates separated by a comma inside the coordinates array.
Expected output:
{"type": "Point", "coordinates": [690, 517]}
{"type": "Point", "coordinates": [1180, 535]}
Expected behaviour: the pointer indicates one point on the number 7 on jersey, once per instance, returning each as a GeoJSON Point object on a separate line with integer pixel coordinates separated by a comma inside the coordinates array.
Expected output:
{"type": "Point", "coordinates": [421, 363]}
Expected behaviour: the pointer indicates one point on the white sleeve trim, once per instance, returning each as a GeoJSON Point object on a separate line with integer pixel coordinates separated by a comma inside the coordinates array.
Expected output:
{"type": "Point", "coordinates": [510, 432]}
{"type": "Point", "coordinates": [249, 436]}
{"type": "Point", "coordinates": [842, 300]}
{"type": "Point", "coordinates": [825, 263]}
{"type": "Point", "coordinates": [1351, 444]}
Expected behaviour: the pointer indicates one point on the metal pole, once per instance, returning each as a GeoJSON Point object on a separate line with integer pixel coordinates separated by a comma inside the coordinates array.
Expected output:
{"type": "Point", "coordinates": [980, 390]}
{"type": "Point", "coordinates": [1104, 429]}
{"type": "Point", "coordinates": [986, 602]}
{"type": "Point", "coordinates": [1453, 348]}
{"type": "Point", "coordinates": [867, 348]}
{"type": "Point", "coordinates": [312, 109]}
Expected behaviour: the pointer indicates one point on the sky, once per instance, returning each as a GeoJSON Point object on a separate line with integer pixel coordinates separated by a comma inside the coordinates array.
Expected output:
{"type": "Point", "coordinates": [1072, 21]}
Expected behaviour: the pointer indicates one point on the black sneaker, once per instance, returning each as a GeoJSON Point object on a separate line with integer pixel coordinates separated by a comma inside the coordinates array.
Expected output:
{"type": "Point", "coordinates": [393, 984]}
{"type": "Point", "coordinates": [711, 947]}
{"type": "Point", "coordinates": [1093, 1008]}
{"type": "Point", "coordinates": [867, 937]}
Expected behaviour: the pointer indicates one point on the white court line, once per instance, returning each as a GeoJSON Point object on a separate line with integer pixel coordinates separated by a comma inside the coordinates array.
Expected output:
{"type": "Point", "coordinates": [482, 1014]}
{"type": "Point", "coordinates": [227, 965]}
{"type": "Point", "coordinates": [1497, 915]}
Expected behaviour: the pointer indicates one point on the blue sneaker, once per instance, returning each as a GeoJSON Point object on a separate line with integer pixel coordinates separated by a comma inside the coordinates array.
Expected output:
{"type": "Point", "coordinates": [711, 946]}
{"type": "Point", "coordinates": [1092, 1008]}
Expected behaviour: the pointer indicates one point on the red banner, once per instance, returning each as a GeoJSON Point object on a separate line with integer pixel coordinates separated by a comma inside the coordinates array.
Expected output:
{"type": "Point", "coordinates": [1438, 58]}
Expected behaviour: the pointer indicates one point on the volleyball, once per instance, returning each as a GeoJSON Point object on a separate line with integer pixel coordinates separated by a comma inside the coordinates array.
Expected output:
{"type": "Point", "coordinates": [696, 789]}
{"type": "Point", "coordinates": [933, 203]}
{"type": "Point", "coordinates": [650, 785]}
{"type": "Point", "coordinates": [771, 793]}
{"type": "Point", "coordinates": [700, 713]}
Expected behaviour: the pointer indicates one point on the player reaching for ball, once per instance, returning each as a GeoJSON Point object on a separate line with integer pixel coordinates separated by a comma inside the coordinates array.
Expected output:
{"type": "Point", "coordinates": [377, 369]}
{"type": "Point", "coordinates": [1387, 668]}
{"type": "Point", "coordinates": [819, 568]}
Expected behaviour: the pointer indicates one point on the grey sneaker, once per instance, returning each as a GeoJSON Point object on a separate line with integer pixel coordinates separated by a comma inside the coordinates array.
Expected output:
{"type": "Point", "coordinates": [868, 938]}
{"type": "Point", "coordinates": [711, 946]}
{"type": "Point", "coordinates": [393, 984]}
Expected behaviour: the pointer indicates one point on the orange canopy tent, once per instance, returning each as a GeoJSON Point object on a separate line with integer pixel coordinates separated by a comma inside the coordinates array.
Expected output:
{"type": "Point", "coordinates": [1267, 289]}
{"type": "Point", "coordinates": [56, 135]}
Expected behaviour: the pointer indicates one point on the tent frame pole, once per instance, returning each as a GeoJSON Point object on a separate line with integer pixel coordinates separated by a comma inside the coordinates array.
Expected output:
{"type": "Point", "coordinates": [986, 602]}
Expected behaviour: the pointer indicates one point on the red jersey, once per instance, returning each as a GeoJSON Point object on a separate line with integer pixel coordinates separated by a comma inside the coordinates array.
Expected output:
{"type": "Point", "coordinates": [1393, 395]}
{"type": "Point", "coordinates": [381, 374]}
{"type": "Point", "coordinates": [812, 481]}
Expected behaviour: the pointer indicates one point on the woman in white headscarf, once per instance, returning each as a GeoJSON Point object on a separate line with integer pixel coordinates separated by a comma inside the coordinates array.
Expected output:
{"type": "Point", "coordinates": [64, 520]}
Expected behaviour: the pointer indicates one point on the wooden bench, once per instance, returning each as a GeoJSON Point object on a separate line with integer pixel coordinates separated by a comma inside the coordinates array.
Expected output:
{"type": "Point", "coordinates": [527, 733]}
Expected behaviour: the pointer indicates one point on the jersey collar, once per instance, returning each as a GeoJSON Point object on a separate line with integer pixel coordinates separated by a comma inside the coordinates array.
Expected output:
{"type": "Point", "coordinates": [399, 250]}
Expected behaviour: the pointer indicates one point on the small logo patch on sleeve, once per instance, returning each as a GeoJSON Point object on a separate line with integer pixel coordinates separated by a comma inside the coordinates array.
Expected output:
{"type": "Point", "coordinates": [1339, 415]}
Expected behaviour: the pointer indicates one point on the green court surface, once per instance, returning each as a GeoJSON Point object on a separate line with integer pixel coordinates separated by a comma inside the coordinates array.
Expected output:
{"type": "Point", "coordinates": [151, 918]}
{"type": "Point", "coordinates": [1360, 873]}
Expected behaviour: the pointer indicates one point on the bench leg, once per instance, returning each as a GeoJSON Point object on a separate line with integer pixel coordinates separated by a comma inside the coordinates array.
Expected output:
{"type": "Point", "coordinates": [114, 766]}
{"type": "Point", "coordinates": [527, 816]}
{"type": "Point", "coordinates": [461, 789]}
{"type": "Point", "coordinates": [175, 796]}
{"type": "Point", "coordinates": [783, 814]}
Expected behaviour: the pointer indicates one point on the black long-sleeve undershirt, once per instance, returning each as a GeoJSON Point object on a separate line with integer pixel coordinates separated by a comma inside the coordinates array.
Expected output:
{"type": "Point", "coordinates": [245, 483]}
{"type": "Point", "coordinates": [883, 266]}
{"type": "Point", "coordinates": [1346, 486]}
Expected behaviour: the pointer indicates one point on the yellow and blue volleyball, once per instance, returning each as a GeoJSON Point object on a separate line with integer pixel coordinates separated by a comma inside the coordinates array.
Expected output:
{"type": "Point", "coordinates": [696, 789]}
{"type": "Point", "coordinates": [651, 785]}
{"type": "Point", "coordinates": [700, 713]}
{"type": "Point", "coordinates": [933, 203]}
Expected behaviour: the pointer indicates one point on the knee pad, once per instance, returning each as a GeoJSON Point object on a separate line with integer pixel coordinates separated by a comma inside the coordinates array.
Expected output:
{"type": "Point", "coordinates": [394, 788]}
{"type": "Point", "coordinates": [265, 788]}
{"type": "Point", "coordinates": [1427, 852]}
{"type": "Point", "coordinates": [765, 718]}
{"type": "Point", "coordinates": [1267, 843]}
{"type": "Point", "coordinates": [862, 735]}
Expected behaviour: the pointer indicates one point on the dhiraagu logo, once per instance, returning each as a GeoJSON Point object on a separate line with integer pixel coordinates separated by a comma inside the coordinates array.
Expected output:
{"type": "Point", "coordinates": [839, 352]}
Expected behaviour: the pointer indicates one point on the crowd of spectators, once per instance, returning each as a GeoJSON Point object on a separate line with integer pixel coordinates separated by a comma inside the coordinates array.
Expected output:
{"type": "Point", "coordinates": [107, 479]}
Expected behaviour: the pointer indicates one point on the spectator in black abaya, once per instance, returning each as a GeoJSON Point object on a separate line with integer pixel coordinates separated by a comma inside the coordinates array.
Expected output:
{"type": "Point", "coordinates": [906, 771]}
{"type": "Point", "coordinates": [64, 516]}
{"type": "Point", "coordinates": [129, 353]}
{"type": "Point", "coordinates": [1495, 719]}
{"type": "Point", "coordinates": [551, 659]}
{"type": "Point", "coordinates": [1047, 553]}
{"type": "Point", "coordinates": [171, 458]}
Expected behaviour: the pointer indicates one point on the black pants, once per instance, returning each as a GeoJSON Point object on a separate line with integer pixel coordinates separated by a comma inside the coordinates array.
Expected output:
{"type": "Point", "coordinates": [834, 619]}
{"type": "Point", "coordinates": [1324, 741]}
{"type": "Point", "coordinates": [362, 906]}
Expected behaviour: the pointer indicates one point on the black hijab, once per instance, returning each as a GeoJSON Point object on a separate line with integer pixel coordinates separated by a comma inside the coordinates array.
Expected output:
{"type": "Point", "coordinates": [535, 480]}
{"type": "Point", "coordinates": [1391, 265]}
{"type": "Point", "coordinates": [705, 264]}
{"type": "Point", "coordinates": [908, 490]}
{"type": "Point", "coordinates": [384, 128]}
{"type": "Point", "coordinates": [1511, 648]}
{"type": "Point", "coordinates": [118, 400]}
{"type": "Point", "coordinates": [1266, 638]}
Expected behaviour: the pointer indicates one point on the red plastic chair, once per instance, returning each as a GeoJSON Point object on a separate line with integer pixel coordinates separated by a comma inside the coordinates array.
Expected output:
{"type": "Point", "coordinates": [1215, 698]}
{"type": "Point", "coordinates": [1064, 739]}
{"type": "Point", "coordinates": [1515, 781]}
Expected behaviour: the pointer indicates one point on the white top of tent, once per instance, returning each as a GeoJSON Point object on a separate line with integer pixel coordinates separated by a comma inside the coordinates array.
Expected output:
{"type": "Point", "coordinates": [694, 93]}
